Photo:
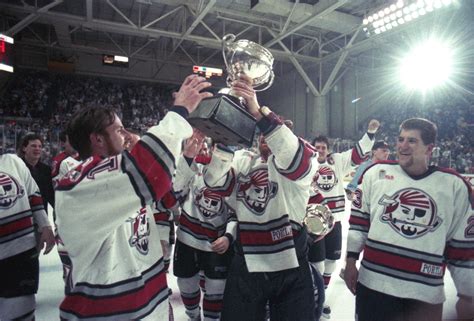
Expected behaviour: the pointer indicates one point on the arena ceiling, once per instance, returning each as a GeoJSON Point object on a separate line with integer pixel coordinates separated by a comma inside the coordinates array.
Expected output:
{"type": "Point", "coordinates": [323, 34]}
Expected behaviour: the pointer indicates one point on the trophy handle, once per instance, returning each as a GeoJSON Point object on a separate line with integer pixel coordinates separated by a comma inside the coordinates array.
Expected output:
{"type": "Point", "coordinates": [270, 82]}
{"type": "Point", "coordinates": [226, 41]}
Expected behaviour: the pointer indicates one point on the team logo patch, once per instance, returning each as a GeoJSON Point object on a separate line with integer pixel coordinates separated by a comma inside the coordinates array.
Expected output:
{"type": "Point", "coordinates": [10, 191]}
{"type": "Point", "coordinates": [325, 179]}
{"type": "Point", "coordinates": [140, 231]}
{"type": "Point", "coordinates": [209, 203]}
{"type": "Point", "coordinates": [255, 190]}
{"type": "Point", "coordinates": [410, 212]}
{"type": "Point", "coordinates": [357, 202]}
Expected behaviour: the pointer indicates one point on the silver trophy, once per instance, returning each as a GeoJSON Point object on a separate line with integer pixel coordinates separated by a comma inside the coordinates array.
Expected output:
{"type": "Point", "coordinates": [223, 117]}
{"type": "Point", "coordinates": [319, 219]}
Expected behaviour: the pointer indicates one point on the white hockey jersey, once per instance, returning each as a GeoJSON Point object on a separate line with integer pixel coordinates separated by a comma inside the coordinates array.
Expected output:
{"type": "Point", "coordinates": [62, 163]}
{"type": "Point", "coordinates": [329, 179]}
{"type": "Point", "coordinates": [118, 271]}
{"type": "Point", "coordinates": [205, 215]}
{"type": "Point", "coordinates": [21, 207]}
{"type": "Point", "coordinates": [409, 229]}
{"type": "Point", "coordinates": [269, 198]}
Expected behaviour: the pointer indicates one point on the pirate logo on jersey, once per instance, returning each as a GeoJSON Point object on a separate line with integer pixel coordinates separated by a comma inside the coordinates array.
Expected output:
{"type": "Point", "coordinates": [325, 179]}
{"type": "Point", "coordinates": [410, 212]}
{"type": "Point", "coordinates": [140, 231]}
{"type": "Point", "coordinates": [209, 202]}
{"type": "Point", "coordinates": [255, 190]}
{"type": "Point", "coordinates": [10, 191]}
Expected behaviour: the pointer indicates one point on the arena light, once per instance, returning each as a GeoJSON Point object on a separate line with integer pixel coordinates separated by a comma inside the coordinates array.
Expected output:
{"type": "Point", "coordinates": [401, 12]}
{"type": "Point", "coordinates": [426, 66]}
{"type": "Point", "coordinates": [121, 58]}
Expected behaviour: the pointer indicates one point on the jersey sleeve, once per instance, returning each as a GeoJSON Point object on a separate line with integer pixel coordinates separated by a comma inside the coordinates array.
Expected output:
{"type": "Point", "coordinates": [292, 156]}
{"type": "Point", "coordinates": [40, 217]}
{"type": "Point", "coordinates": [359, 221]}
{"type": "Point", "coordinates": [152, 161]}
{"type": "Point", "coordinates": [460, 244]}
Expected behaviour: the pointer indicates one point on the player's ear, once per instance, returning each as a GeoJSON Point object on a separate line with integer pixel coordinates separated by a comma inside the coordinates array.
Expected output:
{"type": "Point", "coordinates": [96, 139]}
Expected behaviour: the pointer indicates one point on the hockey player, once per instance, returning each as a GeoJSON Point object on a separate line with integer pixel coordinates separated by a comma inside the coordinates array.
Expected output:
{"type": "Point", "coordinates": [207, 227]}
{"type": "Point", "coordinates": [24, 231]}
{"type": "Point", "coordinates": [380, 152]}
{"type": "Point", "coordinates": [118, 271]}
{"type": "Point", "coordinates": [63, 163]}
{"type": "Point", "coordinates": [269, 196]}
{"type": "Point", "coordinates": [333, 167]}
{"type": "Point", "coordinates": [410, 220]}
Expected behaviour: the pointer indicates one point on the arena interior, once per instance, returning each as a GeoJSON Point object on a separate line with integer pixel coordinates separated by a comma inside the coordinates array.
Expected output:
{"type": "Point", "coordinates": [336, 66]}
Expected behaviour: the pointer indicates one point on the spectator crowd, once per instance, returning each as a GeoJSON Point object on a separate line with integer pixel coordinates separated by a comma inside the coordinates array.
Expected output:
{"type": "Point", "coordinates": [43, 102]}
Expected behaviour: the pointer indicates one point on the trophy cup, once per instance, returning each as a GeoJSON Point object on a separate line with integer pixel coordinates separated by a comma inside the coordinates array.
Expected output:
{"type": "Point", "coordinates": [223, 117]}
{"type": "Point", "coordinates": [319, 219]}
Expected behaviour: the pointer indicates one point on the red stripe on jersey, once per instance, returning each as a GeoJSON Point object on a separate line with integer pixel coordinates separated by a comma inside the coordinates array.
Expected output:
{"type": "Point", "coordinates": [191, 301]}
{"type": "Point", "coordinates": [356, 158]}
{"type": "Point", "coordinates": [197, 228]}
{"type": "Point", "coordinates": [355, 220]}
{"type": "Point", "coordinates": [395, 261]}
{"type": "Point", "coordinates": [169, 200]}
{"type": "Point", "coordinates": [316, 199]}
{"type": "Point", "coordinates": [214, 306]}
{"type": "Point", "coordinates": [156, 175]}
{"type": "Point", "coordinates": [35, 200]}
{"type": "Point", "coordinates": [88, 307]}
{"type": "Point", "coordinates": [266, 237]}
{"type": "Point", "coordinates": [15, 226]}
{"type": "Point", "coordinates": [161, 217]}
{"type": "Point", "coordinates": [461, 254]}
{"type": "Point", "coordinates": [336, 204]}
{"type": "Point", "coordinates": [303, 165]}
{"type": "Point", "coordinates": [56, 161]}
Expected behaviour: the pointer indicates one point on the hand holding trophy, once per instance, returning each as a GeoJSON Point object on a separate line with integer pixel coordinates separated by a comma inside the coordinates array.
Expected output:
{"type": "Point", "coordinates": [224, 117]}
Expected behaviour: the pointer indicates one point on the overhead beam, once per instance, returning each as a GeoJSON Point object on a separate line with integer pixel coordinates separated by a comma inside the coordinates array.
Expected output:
{"type": "Point", "coordinates": [195, 23]}
{"type": "Point", "coordinates": [305, 22]}
{"type": "Point", "coordinates": [298, 68]}
{"type": "Point", "coordinates": [89, 10]}
{"type": "Point", "coordinates": [121, 28]}
{"type": "Point", "coordinates": [339, 63]}
{"type": "Point", "coordinates": [130, 22]}
{"type": "Point", "coordinates": [33, 16]}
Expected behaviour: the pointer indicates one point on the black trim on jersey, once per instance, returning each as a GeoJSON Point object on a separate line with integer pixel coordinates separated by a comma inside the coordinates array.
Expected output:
{"type": "Point", "coordinates": [164, 149]}
{"type": "Point", "coordinates": [180, 110]}
{"type": "Point", "coordinates": [404, 249]}
{"type": "Point", "coordinates": [25, 316]}
{"type": "Point", "coordinates": [132, 179]}
{"type": "Point", "coordinates": [354, 255]}
{"type": "Point", "coordinates": [259, 252]}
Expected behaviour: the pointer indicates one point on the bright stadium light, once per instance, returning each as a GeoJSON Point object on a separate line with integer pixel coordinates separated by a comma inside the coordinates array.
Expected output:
{"type": "Point", "coordinates": [427, 66]}
{"type": "Point", "coordinates": [408, 10]}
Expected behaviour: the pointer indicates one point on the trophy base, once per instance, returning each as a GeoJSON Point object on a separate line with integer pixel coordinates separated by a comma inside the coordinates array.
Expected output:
{"type": "Point", "coordinates": [222, 119]}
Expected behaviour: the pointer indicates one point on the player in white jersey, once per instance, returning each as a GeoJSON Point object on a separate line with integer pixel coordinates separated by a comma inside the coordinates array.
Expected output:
{"type": "Point", "coordinates": [63, 163]}
{"type": "Point", "coordinates": [118, 270]}
{"type": "Point", "coordinates": [207, 227]}
{"type": "Point", "coordinates": [410, 220]}
{"type": "Point", "coordinates": [269, 197]}
{"type": "Point", "coordinates": [329, 181]}
{"type": "Point", "coordinates": [24, 231]}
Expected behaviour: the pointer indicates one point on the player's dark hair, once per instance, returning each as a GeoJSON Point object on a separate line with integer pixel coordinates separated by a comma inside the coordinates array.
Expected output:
{"type": "Point", "coordinates": [428, 129]}
{"type": "Point", "coordinates": [86, 122]}
{"type": "Point", "coordinates": [321, 139]}
{"type": "Point", "coordinates": [25, 140]}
